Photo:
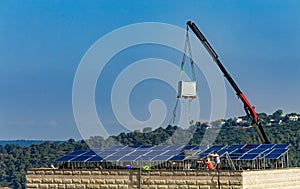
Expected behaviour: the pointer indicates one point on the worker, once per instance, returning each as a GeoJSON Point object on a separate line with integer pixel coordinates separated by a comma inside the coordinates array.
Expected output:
{"type": "Point", "coordinates": [216, 159]}
{"type": "Point", "coordinates": [209, 164]}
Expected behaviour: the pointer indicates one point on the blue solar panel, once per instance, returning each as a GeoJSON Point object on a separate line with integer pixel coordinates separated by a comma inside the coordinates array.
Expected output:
{"type": "Point", "coordinates": [210, 150]}
{"type": "Point", "coordinates": [189, 147]}
{"type": "Point", "coordinates": [138, 153]}
{"type": "Point", "coordinates": [172, 147]}
{"type": "Point", "coordinates": [284, 146]}
{"type": "Point", "coordinates": [238, 153]}
{"type": "Point", "coordinates": [155, 153]}
{"type": "Point", "coordinates": [131, 147]}
{"type": "Point", "coordinates": [122, 153]}
{"type": "Point", "coordinates": [75, 153]}
{"type": "Point", "coordinates": [201, 148]}
{"type": "Point", "coordinates": [129, 158]}
{"type": "Point", "coordinates": [251, 146]}
{"type": "Point", "coordinates": [266, 146]}
{"type": "Point", "coordinates": [89, 153]}
{"type": "Point", "coordinates": [202, 155]}
{"type": "Point", "coordinates": [273, 156]}
{"type": "Point", "coordinates": [116, 148]}
{"type": "Point", "coordinates": [80, 158]}
{"type": "Point", "coordinates": [65, 158]}
{"type": "Point", "coordinates": [249, 156]}
{"type": "Point", "coordinates": [144, 148]}
{"type": "Point", "coordinates": [222, 152]}
{"type": "Point", "coordinates": [147, 157]}
{"type": "Point", "coordinates": [258, 150]}
{"type": "Point", "coordinates": [162, 158]}
{"type": "Point", "coordinates": [95, 159]}
{"type": "Point", "coordinates": [276, 153]}
{"type": "Point", "coordinates": [176, 153]}
{"type": "Point", "coordinates": [236, 146]}
{"type": "Point", "coordinates": [213, 148]}
{"type": "Point", "coordinates": [113, 158]}
{"type": "Point", "coordinates": [159, 147]}
{"type": "Point", "coordinates": [279, 151]}
{"type": "Point", "coordinates": [106, 153]}
{"type": "Point", "coordinates": [172, 152]}
{"type": "Point", "coordinates": [178, 158]}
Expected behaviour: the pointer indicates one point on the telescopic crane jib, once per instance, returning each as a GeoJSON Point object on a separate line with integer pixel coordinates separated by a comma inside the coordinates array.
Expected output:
{"type": "Point", "coordinates": [247, 106]}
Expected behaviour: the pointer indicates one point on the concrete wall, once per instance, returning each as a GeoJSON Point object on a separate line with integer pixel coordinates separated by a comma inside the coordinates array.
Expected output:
{"type": "Point", "coordinates": [162, 179]}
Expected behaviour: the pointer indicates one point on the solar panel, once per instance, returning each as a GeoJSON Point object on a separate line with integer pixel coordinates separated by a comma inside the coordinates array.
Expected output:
{"type": "Point", "coordinates": [189, 147]}
{"type": "Point", "coordinates": [172, 152]}
{"type": "Point", "coordinates": [147, 157]}
{"type": "Point", "coordinates": [105, 153]}
{"type": "Point", "coordinates": [223, 151]}
{"type": "Point", "coordinates": [236, 154]}
{"type": "Point", "coordinates": [113, 158]}
{"type": "Point", "coordinates": [276, 153]}
{"type": "Point", "coordinates": [122, 153]}
{"type": "Point", "coordinates": [95, 159]}
{"type": "Point", "coordinates": [201, 148]}
{"type": "Point", "coordinates": [217, 147]}
{"type": "Point", "coordinates": [81, 158]}
{"type": "Point", "coordinates": [236, 146]}
{"type": "Point", "coordinates": [251, 146]}
{"type": "Point", "coordinates": [178, 158]}
{"type": "Point", "coordinates": [266, 146]}
{"type": "Point", "coordinates": [155, 153]}
{"type": "Point", "coordinates": [144, 148]}
{"type": "Point", "coordinates": [273, 156]}
{"type": "Point", "coordinates": [279, 151]}
{"type": "Point", "coordinates": [138, 153]}
{"type": "Point", "coordinates": [176, 153]}
{"type": "Point", "coordinates": [161, 158]}
{"type": "Point", "coordinates": [172, 147]}
{"type": "Point", "coordinates": [116, 148]}
{"type": "Point", "coordinates": [284, 146]}
{"type": "Point", "coordinates": [77, 152]}
{"type": "Point", "coordinates": [89, 153]}
{"type": "Point", "coordinates": [159, 147]}
{"type": "Point", "coordinates": [129, 158]}
{"type": "Point", "coordinates": [65, 158]}
{"type": "Point", "coordinates": [210, 150]}
{"type": "Point", "coordinates": [258, 150]}
{"type": "Point", "coordinates": [249, 156]}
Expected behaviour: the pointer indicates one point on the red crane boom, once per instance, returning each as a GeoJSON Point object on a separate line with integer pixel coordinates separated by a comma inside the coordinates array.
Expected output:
{"type": "Point", "coordinates": [250, 111]}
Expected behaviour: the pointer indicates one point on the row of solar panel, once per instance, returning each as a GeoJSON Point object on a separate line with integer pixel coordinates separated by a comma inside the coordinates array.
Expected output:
{"type": "Point", "coordinates": [175, 153]}
{"type": "Point", "coordinates": [254, 151]}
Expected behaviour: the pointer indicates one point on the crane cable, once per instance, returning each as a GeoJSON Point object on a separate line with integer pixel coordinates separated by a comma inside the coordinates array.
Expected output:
{"type": "Point", "coordinates": [187, 47]}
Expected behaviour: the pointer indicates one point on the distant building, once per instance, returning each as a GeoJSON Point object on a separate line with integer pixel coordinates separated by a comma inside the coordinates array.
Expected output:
{"type": "Point", "coordinates": [239, 120]}
{"type": "Point", "coordinates": [274, 122]}
{"type": "Point", "coordinates": [293, 118]}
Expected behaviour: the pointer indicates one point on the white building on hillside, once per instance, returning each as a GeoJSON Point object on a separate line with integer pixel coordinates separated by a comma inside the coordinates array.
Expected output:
{"type": "Point", "coordinates": [293, 118]}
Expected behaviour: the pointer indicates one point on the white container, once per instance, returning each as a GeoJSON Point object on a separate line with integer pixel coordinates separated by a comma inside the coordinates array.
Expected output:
{"type": "Point", "coordinates": [187, 89]}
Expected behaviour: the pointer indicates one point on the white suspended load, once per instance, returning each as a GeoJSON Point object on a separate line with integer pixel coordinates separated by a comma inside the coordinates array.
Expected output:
{"type": "Point", "coordinates": [187, 89]}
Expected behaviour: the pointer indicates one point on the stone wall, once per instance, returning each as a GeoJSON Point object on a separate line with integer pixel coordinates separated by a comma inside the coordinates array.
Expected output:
{"type": "Point", "coordinates": [162, 179]}
{"type": "Point", "coordinates": [276, 178]}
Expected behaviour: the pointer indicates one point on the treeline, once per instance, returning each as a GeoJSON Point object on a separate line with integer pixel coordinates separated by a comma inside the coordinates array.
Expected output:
{"type": "Point", "coordinates": [15, 160]}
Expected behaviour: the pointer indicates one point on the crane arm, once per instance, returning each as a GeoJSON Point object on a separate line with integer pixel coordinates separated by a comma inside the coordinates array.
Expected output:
{"type": "Point", "coordinates": [250, 111]}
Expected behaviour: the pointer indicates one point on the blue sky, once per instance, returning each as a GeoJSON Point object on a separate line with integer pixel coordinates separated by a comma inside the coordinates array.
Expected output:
{"type": "Point", "coordinates": [43, 42]}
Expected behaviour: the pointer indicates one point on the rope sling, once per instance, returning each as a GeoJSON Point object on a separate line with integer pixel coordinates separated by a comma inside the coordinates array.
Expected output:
{"type": "Point", "coordinates": [187, 49]}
